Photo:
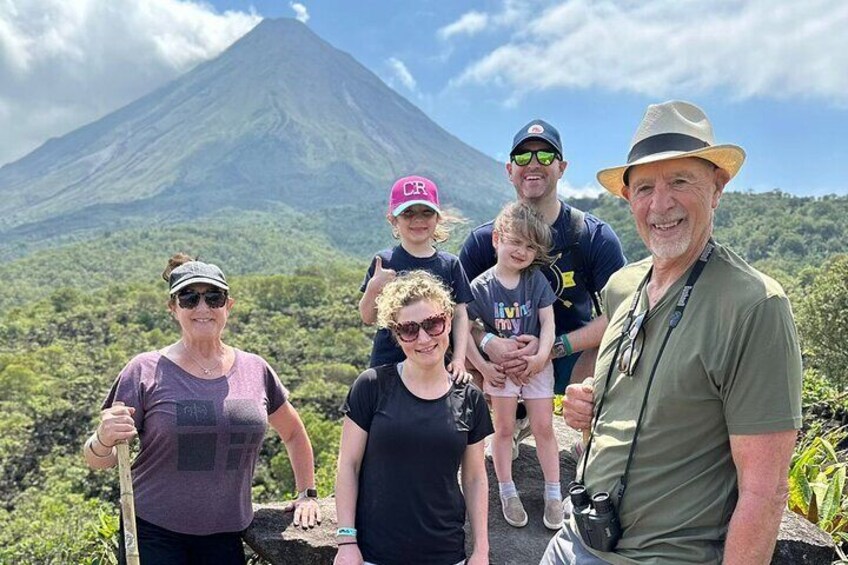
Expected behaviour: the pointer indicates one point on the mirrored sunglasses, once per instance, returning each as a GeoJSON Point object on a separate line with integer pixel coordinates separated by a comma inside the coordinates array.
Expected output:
{"type": "Point", "coordinates": [408, 332]}
{"type": "Point", "coordinates": [189, 299]}
{"type": "Point", "coordinates": [544, 158]}
{"type": "Point", "coordinates": [630, 355]}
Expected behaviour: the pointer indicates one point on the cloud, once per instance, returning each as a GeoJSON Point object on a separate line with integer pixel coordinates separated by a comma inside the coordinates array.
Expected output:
{"type": "Point", "coordinates": [592, 190]}
{"type": "Point", "coordinates": [64, 64]}
{"type": "Point", "coordinates": [745, 48]}
{"type": "Point", "coordinates": [401, 73]}
{"type": "Point", "coordinates": [301, 14]}
{"type": "Point", "coordinates": [469, 24]}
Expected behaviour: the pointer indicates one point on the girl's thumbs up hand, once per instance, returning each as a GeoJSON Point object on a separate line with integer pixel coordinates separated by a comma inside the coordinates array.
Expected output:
{"type": "Point", "coordinates": [381, 275]}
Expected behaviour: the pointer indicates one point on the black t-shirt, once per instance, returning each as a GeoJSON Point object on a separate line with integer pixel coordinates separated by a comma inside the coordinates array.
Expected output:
{"type": "Point", "coordinates": [409, 508]}
{"type": "Point", "coordinates": [441, 264]}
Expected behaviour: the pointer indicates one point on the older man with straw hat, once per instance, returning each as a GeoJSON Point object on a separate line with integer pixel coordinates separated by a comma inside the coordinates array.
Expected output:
{"type": "Point", "coordinates": [697, 388]}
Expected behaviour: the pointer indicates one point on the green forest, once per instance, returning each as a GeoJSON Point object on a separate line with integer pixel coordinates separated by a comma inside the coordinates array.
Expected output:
{"type": "Point", "coordinates": [64, 340]}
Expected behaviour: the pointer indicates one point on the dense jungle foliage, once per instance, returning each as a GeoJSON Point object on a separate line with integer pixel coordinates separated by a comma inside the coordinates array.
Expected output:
{"type": "Point", "coordinates": [62, 352]}
{"type": "Point", "coordinates": [61, 348]}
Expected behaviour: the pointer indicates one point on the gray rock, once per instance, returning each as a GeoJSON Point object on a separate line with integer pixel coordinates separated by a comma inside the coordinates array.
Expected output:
{"type": "Point", "coordinates": [272, 536]}
{"type": "Point", "coordinates": [800, 542]}
{"type": "Point", "coordinates": [523, 546]}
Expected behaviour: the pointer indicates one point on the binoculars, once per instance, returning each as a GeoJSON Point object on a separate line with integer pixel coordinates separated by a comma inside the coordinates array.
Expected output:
{"type": "Point", "coordinates": [596, 518]}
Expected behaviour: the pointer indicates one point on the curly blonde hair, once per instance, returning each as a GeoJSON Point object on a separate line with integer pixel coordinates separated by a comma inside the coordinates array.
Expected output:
{"type": "Point", "coordinates": [410, 288]}
{"type": "Point", "coordinates": [519, 221]}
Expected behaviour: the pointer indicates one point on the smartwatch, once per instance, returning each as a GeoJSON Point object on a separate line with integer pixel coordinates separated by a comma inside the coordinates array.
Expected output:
{"type": "Point", "coordinates": [308, 493]}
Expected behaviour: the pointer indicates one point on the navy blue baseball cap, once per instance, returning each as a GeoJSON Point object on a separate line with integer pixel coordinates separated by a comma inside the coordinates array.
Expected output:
{"type": "Point", "coordinates": [541, 130]}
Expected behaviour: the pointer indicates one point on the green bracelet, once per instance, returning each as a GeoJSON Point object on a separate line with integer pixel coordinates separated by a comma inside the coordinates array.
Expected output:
{"type": "Point", "coordinates": [568, 349]}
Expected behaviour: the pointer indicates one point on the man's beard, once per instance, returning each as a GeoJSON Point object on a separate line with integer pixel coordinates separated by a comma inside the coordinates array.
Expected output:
{"type": "Point", "coordinates": [671, 249]}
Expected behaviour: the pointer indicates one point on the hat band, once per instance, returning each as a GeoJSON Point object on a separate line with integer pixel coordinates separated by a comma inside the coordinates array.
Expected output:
{"type": "Point", "coordinates": [663, 142]}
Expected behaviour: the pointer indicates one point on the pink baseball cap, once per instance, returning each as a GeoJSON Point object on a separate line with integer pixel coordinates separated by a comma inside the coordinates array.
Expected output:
{"type": "Point", "coordinates": [413, 190]}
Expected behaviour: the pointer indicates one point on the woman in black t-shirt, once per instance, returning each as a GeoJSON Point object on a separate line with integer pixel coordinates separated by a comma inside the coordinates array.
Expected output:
{"type": "Point", "coordinates": [407, 431]}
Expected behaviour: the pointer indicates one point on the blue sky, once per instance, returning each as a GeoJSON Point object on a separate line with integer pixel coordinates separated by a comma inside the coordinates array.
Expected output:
{"type": "Point", "coordinates": [772, 75]}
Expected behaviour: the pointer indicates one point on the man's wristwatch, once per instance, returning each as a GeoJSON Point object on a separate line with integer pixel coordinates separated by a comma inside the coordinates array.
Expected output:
{"type": "Point", "coordinates": [558, 349]}
{"type": "Point", "coordinates": [308, 493]}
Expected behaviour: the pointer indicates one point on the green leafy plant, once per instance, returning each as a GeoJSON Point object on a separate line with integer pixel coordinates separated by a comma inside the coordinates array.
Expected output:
{"type": "Point", "coordinates": [817, 483]}
{"type": "Point", "coordinates": [105, 548]}
{"type": "Point", "coordinates": [558, 398]}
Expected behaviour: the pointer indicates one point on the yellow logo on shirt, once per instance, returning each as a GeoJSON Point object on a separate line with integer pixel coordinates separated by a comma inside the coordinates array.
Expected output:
{"type": "Point", "coordinates": [561, 280]}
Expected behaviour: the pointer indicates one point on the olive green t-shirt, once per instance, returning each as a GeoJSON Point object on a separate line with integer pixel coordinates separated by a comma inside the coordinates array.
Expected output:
{"type": "Point", "coordinates": [732, 366]}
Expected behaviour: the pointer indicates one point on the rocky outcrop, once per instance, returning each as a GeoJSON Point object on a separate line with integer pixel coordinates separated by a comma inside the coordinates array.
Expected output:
{"type": "Point", "coordinates": [800, 542]}
{"type": "Point", "coordinates": [272, 536]}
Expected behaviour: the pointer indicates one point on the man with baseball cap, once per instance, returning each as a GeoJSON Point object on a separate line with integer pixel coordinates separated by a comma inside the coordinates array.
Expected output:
{"type": "Point", "coordinates": [697, 387]}
{"type": "Point", "coordinates": [586, 252]}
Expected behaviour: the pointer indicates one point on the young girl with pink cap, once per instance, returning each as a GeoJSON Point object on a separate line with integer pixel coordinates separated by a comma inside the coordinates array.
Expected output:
{"type": "Point", "coordinates": [418, 221]}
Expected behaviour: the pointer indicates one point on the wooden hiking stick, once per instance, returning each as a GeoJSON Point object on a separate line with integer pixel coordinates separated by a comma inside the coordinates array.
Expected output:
{"type": "Point", "coordinates": [127, 503]}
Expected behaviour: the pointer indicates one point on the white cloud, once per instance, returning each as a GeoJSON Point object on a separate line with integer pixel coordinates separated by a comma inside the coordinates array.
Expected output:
{"type": "Point", "coordinates": [64, 64]}
{"type": "Point", "coordinates": [301, 14]}
{"type": "Point", "coordinates": [469, 24]}
{"type": "Point", "coordinates": [402, 73]}
{"type": "Point", "coordinates": [591, 190]}
{"type": "Point", "coordinates": [746, 48]}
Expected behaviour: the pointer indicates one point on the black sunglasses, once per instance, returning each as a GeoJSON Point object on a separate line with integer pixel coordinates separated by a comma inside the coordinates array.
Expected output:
{"type": "Point", "coordinates": [630, 355]}
{"type": "Point", "coordinates": [189, 299]}
{"type": "Point", "coordinates": [544, 157]}
{"type": "Point", "coordinates": [407, 332]}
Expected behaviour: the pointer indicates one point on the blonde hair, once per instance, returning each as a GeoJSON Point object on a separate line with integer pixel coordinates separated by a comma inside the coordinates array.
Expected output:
{"type": "Point", "coordinates": [410, 288]}
{"type": "Point", "coordinates": [444, 223]}
{"type": "Point", "coordinates": [520, 221]}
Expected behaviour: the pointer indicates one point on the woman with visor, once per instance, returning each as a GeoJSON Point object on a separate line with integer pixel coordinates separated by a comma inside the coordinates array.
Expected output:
{"type": "Point", "coordinates": [408, 429]}
{"type": "Point", "coordinates": [200, 409]}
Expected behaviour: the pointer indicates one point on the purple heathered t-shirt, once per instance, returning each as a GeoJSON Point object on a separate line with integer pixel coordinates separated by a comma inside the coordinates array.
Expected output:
{"type": "Point", "coordinates": [199, 440]}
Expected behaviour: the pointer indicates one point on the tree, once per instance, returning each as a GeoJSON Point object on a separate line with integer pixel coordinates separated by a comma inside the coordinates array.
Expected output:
{"type": "Point", "coordinates": [823, 323]}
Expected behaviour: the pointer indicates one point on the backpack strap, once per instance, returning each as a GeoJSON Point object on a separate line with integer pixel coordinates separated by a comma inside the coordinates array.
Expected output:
{"type": "Point", "coordinates": [577, 231]}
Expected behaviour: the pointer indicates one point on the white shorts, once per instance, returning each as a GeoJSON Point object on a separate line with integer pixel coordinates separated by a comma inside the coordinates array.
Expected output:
{"type": "Point", "coordinates": [541, 385]}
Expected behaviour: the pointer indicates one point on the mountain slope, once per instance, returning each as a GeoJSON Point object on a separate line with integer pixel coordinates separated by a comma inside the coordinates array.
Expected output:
{"type": "Point", "coordinates": [245, 243]}
{"type": "Point", "coordinates": [281, 116]}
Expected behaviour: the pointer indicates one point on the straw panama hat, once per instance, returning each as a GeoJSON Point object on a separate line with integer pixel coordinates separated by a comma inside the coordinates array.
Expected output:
{"type": "Point", "coordinates": [673, 130]}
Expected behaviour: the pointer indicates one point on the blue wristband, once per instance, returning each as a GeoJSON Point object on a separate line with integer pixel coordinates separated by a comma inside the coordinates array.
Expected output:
{"type": "Point", "coordinates": [486, 339]}
{"type": "Point", "coordinates": [350, 532]}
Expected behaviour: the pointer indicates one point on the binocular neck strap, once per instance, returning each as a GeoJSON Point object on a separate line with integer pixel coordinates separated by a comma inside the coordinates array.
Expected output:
{"type": "Point", "coordinates": [624, 329]}
{"type": "Point", "coordinates": [673, 322]}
